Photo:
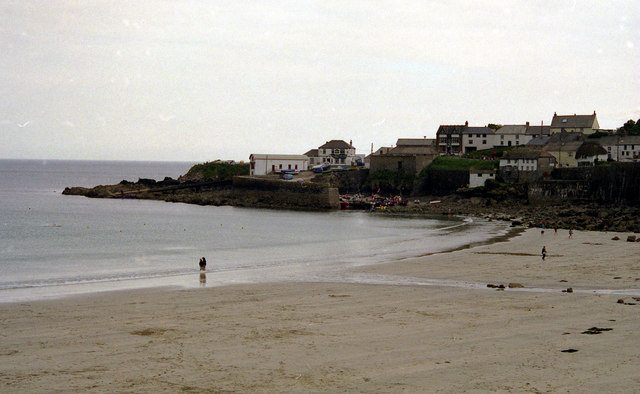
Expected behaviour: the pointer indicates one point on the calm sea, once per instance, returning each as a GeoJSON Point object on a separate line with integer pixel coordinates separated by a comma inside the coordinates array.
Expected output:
{"type": "Point", "coordinates": [53, 245]}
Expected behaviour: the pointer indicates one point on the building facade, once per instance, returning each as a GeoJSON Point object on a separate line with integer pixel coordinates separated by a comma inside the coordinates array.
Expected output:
{"type": "Point", "coordinates": [410, 156]}
{"type": "Point", "coordinates": [585, 124]}
{"type": "Point", "coordinates": [337, 153]}
{"type": "Point", "coordinates": [263, 164]}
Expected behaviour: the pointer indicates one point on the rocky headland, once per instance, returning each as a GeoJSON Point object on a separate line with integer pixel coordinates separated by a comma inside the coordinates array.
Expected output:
{"type": "Point", "coordinates": [220, 183]}
{"type": "Point", "coordinates": [576, 215]}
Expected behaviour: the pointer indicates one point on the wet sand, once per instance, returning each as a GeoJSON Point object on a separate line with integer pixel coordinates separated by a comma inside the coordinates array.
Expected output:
{"type": "Point", "coordinates": [337, 337]}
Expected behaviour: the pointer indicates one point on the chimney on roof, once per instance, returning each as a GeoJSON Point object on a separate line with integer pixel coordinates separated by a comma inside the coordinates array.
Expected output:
{"type": "Point", "coordinates": [555, 114]}
{"type": "Point", "coordinates": [527, 124]}
{"type": "Point", "coordinates": [594, 111]}
{"type": "Point", "coordinates": [350, 142]}
{"type": "Point", "coordinates": [466, 123]}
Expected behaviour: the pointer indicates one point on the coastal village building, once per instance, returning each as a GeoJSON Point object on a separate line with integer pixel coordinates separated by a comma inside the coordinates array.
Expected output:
{"type": "Point", "coordinates": [314, 157]}
{"type": "Point", "coordinates": [336, 153]}
{"type": "Point", "coordinates": [450, 139]}
{"type": "Point", "coordinates": [478, 178]}
{"type": "Point", "coordinates": [589, 153]}
{"type": "Point", "coordinates": [564, 146]}
{"type": "Point", "coordinates": [523, 164]}
{"type": "Point", "coordinates": [263, 164]}
{"type": "Point", "coordinates": [585, 124]}
{"type": "Point", "coordinates": [517, 135]}
{"type": "Point", "coordinates": [410, 156]}
{"type": "Point", "coordinates": [478, 138]}
{"type": "Point", "coordinates": [621, 148]}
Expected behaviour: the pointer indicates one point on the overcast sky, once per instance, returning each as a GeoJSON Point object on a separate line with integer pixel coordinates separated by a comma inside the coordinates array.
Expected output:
{"type": "Point", "coordinates": [201, 80]}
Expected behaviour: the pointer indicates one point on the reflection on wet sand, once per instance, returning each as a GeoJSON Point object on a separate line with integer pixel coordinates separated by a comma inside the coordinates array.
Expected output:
{"type": "Point", "coordinates": [203, 279]}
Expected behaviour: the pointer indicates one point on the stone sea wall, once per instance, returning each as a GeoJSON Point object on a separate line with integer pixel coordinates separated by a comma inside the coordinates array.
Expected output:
{"type": "Point", "coordinates": [242, 191]}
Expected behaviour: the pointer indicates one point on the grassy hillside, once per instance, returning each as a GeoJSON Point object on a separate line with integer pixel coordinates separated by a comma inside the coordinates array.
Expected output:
{"type": "Point", "coordinates": [216, 170]}
{"type": "Point", "coordinates": [455, 163]}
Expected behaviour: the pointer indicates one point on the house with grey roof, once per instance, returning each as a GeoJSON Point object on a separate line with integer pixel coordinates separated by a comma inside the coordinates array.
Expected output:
{"type": "Point", "coordinates": [337, 153]}
{"type": "Point", "coordinates": [517, 135]}
{"type": "Point", "coordinates": [478, 138]}
{"type": "Point", "coordinates": [410, 155]}
{"type": "Point", "coordinates": [526, 165]}
{"type": "Point", "coordinates": [621, 148]}
{"type": "Point", "coordinates": [586, 124]}
{"type": "Point", "coordinates": [564, 146]}
{"type": "Point", "coordinates": [314, 158]}
{"type": "Point", "coordinates": [449, 139]}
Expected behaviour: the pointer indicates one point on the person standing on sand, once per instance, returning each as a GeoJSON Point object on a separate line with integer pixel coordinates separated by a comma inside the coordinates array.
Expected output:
{"type": "Point", "coordinates": [203, 264]}
{"type": "Point", "coordinates": [544, 252]}
{"type": "Point", "coordinates": [570, 233]}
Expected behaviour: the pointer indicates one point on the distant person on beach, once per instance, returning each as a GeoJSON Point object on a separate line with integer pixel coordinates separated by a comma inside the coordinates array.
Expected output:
{"type": "Point", "coordinates": [570, 233]}
{"type": "Point", "coordinates": [555, 230]}
{"type": "Point", "coordinates": [544, 252]}
{"type": "Point", "coordinates": [203, 264]}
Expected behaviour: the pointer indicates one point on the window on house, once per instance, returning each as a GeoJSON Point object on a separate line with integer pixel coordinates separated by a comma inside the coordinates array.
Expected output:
{"type": "Point", "coordinates": [484, 142]}
{"type": "Point", "coordinates": [484, 136]}
{"type": "Point", "coordinates": [289, 166]}
{"type": "Point", "coordinates": [470, 141]}
{"type": "Point", "coordinates": [296, 166]}
{"type": "Point", "coordinates": [280, 167]}
{"type": "Point", "coordinates": [273, 168]}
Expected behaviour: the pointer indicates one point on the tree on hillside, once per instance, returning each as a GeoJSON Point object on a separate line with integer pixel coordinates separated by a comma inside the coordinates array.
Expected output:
{"type": "Point", "coordinates": [494, 126]}
{"type": "Point", "coordinates": [630, 128]}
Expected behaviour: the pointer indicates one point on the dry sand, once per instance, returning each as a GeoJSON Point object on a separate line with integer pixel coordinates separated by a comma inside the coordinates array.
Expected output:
{"type": "Point", "coordinates": [327, 337]}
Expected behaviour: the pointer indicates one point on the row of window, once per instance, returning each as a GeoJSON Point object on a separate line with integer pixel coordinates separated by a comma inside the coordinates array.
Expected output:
{"type": "Point", "coordinates": [334, 151]}
{"type": "Point", "coordinates": [273, 167]}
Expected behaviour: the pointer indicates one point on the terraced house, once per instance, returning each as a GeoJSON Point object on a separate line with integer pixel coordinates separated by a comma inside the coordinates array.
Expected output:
{"type": "Point", "coordinates": [585, 124]}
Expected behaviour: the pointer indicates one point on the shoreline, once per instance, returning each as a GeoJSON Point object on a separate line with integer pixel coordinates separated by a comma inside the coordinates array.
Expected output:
{"type": "Point", "coordinates": [215, 277]}
{"type": "Point", "coordinates": [318, 336]}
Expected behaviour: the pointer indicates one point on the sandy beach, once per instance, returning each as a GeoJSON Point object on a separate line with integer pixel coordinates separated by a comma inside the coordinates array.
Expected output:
{"type": "Point", "coordinates": [442, 331]}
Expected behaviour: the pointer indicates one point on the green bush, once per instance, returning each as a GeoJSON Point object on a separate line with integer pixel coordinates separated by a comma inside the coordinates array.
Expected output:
{"type": "Point", "coordinates": [217, 170]}
{"type": "Point", "coordinates": [456, 163]}
{"type": "Point", "coordinates": [498, 151]}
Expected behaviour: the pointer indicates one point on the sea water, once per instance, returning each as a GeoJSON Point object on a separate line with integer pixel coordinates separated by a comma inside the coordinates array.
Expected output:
{"type": "Point", "coordinates": [53, 245]}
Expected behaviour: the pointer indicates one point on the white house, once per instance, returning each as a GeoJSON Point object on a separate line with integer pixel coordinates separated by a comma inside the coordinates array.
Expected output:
{"type": "Point", "coordinates": [263, 164]}
{"type": "Point", "coordinates": [477, 178]}
{"type": "Point", "coordinates": [589, 153]}
{"type": "Point", "coordinates": [337, 153]}
{"type": "Point", "coordinates": [621, 148]}
{"type": "Point", "coordinates": [478, 138]}
{"type": "Point", "coordinates": [517, 135]}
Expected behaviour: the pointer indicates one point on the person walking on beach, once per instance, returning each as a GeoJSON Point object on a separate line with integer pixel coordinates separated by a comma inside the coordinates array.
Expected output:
{"type": "Point", "coordinates": [203, 264]}
{"type": "Point", "coordinates": [570, 233]}
{"type": "Point", "coordinates": [544, 252]}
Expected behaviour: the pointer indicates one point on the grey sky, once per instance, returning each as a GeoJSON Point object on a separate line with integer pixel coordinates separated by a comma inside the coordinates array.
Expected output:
{"type": "Point", "coordinates": [197, 81]}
